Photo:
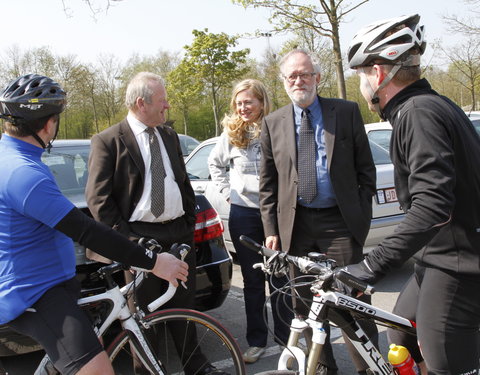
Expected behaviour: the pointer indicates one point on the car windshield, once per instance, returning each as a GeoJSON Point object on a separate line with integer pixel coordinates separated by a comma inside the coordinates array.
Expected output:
{"type": "Point", "coordinates": [381, 137]}
{"type": "Point", "coordinates": [197, 166]}
{"type": "Point", "coordinates": [69, 167]}
{"type": "Point", "coordinates": [187, 144]}
{"type": "Point", "coordinates": [379, 154]}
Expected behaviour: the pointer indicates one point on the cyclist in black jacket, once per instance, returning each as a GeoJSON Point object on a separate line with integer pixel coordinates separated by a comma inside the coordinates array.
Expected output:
{"type": "Point", "coordinates": [436, 153]}
{"type": "Point", "coordinates": [38, 289]}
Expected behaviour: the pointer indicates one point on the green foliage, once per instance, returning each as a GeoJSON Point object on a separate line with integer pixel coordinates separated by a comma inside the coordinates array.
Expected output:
{"type": "Point", "coordinates": [213, 66]}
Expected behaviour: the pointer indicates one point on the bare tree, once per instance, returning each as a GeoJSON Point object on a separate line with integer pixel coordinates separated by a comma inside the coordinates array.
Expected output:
{"type": "Point", "coordinates": [323, 19]}
{"type": "Point", "coordinates": [465, 66]}
{"type": "Point", "coordinates": [465, 25]}
{"type": "Point", "coordinates": [95, 6]}
{"type": "Point", "coordinates": [107, 84]}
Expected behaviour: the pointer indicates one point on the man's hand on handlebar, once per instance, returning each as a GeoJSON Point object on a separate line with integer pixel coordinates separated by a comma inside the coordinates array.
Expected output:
{"type": "Point", "coordinates": [272, 242]}
{"type": "Point", "coordinates": [169, 268]}
{"type": "Point", "coordinates": [361, 271]}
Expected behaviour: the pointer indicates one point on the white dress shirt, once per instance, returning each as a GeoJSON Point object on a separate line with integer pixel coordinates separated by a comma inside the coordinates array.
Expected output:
{"type": "Point", "coordinates": [173, 197]}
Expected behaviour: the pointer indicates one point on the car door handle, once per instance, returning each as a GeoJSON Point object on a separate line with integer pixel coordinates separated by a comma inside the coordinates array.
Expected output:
{"type": "Point", "coordinates": [200, 190]}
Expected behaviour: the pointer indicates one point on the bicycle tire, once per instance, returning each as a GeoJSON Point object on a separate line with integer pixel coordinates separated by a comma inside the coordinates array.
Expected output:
{"type": "Point", "coordinates": [213, 339]}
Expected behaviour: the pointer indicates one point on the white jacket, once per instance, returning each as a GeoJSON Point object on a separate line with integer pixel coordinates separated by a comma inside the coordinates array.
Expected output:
{"type": "Point", "coordinates": [241, 183]}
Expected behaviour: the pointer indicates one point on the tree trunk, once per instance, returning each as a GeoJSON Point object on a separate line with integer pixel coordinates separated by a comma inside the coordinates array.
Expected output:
{"type": "Point", "coordinates": [337, 51]}
{"type": "Point", "coordinates": [215, 114]}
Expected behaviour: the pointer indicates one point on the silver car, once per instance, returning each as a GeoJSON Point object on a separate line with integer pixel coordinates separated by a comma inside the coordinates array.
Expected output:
{"type": "Point", "coordinates": [380, 132]}
{"type": "Point", "coordinates": [386, 209]}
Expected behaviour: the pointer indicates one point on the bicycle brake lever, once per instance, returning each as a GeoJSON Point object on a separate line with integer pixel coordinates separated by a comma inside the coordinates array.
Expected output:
{"type": "Point", "coordinates": [262, 267]}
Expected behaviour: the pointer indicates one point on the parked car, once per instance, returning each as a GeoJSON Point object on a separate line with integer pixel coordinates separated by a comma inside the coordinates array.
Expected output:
{"type": "Point", "coordinates": [380, 133]}
{"type": "Point", "coordinates": [187, 144]}
{"type": "Point", "coordinates": [68, 162]}
{"type": "Point", "coordinates": [475, 118]}
{"type": "Point", "coordinates": [386, 209]}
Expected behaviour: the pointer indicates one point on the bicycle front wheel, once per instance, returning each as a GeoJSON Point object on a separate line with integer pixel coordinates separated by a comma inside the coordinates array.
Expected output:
{"type": "Point", "coordinates": [185, 341]}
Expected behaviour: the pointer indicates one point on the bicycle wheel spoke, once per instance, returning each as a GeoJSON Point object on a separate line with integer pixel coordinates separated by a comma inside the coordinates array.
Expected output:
{"type": "Point", "coordinates": [188, 341]}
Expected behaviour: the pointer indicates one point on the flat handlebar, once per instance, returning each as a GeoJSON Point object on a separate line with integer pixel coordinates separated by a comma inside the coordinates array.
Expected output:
{"type": "Point", "coordinates": [320, 265]}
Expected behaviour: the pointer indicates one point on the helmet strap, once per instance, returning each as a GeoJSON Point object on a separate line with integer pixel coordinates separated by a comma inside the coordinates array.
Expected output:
{"type": "Point", "coordinates": [48, 147]}
{"type": "Point", "coordinates": [374, 93]}
{"type": "Point", "coordinates": [37, 138]}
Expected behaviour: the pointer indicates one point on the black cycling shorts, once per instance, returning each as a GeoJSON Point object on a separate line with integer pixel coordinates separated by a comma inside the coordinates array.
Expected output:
{"type": "Point", "coordinates": [60, 326]}
{"type": "Point", "coordinates": [446, 308]}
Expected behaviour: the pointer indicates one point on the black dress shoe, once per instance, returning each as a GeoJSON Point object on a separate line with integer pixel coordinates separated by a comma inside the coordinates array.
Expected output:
{"type": "Point", "coordinates": [211, 370]}
{"type": "Point", "coordinates": [324, 370]}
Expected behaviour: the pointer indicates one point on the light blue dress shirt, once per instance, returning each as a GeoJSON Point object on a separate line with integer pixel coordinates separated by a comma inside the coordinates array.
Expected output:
{"type": "Point", "coordinates": [325, 195]}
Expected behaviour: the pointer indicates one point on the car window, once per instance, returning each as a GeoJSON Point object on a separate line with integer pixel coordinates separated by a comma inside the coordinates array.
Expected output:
{"type": "Point", "coordinates": [197, 166]}
{"type": "Point", "coordinates": [379, 154]}
{"type": "Point", "coordinates": [187, 144]}
{"type": "Point", "coordinates": [69, 167]}
{"type": "Point", "coordinates": [381, 137]}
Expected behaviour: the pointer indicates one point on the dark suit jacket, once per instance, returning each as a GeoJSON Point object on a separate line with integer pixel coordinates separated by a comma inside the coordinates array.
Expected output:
{"type": "Point", "coordinates": [350, 166]}
{"type": "Point", "coordinates": [117, 171]}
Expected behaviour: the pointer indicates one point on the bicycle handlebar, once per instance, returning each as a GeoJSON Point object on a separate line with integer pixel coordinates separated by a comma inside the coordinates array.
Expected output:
{"type": "Point", "coordinates": [179, 251]}
{"type": "Point", "coordinates": [321, 266]}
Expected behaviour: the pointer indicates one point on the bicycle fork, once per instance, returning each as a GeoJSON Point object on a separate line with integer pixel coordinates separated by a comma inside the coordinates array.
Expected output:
{"type": "Point", "coordinates": [142, 347]}
{"type": "Point", "coordinates": [314, 346]}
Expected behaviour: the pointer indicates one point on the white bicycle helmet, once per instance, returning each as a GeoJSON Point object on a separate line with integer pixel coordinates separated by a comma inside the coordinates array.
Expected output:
{"type": "Point", "coordinates": [389, 40]}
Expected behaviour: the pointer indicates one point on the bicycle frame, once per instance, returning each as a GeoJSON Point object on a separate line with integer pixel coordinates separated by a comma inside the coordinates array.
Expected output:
{"type": "Point", "coordinates": [339, 309]}
{"type": "Point", "coordinates": [116, 298]}
{"type": "Point", "coordinates": [329, 305]}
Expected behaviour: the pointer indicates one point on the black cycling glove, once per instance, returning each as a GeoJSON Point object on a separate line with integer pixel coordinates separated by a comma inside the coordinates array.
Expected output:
{"type": "Point", "coordinates": [361, 271]}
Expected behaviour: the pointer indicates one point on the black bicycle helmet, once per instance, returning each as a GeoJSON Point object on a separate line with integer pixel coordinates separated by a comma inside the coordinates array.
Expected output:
{"type": "Point", "coordinates": [389, 40]}
{"type": "Point", "coordinates": [31, 97]}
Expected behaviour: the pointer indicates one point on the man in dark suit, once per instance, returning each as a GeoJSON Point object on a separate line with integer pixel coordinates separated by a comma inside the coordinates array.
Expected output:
{"type": "Point", "coordinates": [138, 185]}
{"type": "Point", "coordinates": [317, 178]}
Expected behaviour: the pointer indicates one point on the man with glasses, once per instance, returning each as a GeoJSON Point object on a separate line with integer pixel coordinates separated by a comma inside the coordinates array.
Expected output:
{"type": "Point", "coordinates": [317, 178]}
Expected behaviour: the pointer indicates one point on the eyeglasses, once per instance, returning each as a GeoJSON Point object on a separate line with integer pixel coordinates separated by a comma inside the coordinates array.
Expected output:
{"type": "Point", "coordinates": [303, 76]}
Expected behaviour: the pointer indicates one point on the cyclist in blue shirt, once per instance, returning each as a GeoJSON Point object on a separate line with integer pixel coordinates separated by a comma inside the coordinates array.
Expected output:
{"type": "Point", "coordinates": [38, 289]}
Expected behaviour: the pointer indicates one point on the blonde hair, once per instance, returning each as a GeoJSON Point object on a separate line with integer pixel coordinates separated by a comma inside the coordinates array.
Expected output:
{"type": "Point", "coordinates": [237, 129]}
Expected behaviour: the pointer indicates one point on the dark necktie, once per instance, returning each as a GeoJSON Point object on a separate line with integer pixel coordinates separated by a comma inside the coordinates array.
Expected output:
{"type": "Point", "coordinates": [158, 174]}
{"type": "Point", "coordinates": [307, 170]}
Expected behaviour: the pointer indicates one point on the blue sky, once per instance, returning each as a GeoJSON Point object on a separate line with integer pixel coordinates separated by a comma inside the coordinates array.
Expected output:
{"type": "Point", "coordinates": [146, 26]}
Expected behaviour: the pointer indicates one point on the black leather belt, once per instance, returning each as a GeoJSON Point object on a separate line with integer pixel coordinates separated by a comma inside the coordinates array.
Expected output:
{"type": "Point", "coordinates": [317, 209]}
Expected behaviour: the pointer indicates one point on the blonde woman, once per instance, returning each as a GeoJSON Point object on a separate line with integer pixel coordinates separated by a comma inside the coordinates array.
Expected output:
{"type": "Point", "coordinates": [239, 149]}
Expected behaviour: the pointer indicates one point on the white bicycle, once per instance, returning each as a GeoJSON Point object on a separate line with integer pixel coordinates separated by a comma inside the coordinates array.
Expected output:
{"type": "Point", "coordinates": [327, 305]}
{"type": "Point", "coordinates": [111, 315]}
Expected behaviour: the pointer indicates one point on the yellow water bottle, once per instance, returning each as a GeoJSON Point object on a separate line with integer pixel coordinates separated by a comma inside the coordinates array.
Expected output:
{"type": "Point", "coordinates": [402, 361]}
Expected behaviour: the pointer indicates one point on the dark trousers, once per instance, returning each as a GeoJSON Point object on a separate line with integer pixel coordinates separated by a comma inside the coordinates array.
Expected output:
{"type": "Point", "coordinates": [247, 221]}
{"type": "Point", "coordinates": [446, 308]}
{"type": "Point", "coordinates": [325, 231]}
{"type": "Point", "coordinates": [176, 231]}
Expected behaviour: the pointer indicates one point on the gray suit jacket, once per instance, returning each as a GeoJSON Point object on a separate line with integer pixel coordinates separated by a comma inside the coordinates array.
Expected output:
{"type": "Point", "coordinates": [117, 171]}
{"type": "Point", "coordinates": [350, 166]}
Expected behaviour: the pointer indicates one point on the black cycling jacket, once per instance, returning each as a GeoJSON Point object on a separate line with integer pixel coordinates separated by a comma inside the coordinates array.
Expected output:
{"type": "Point", "coordinates": [436, 153]}
{"type": "Point", "coordinates": [104, 240]}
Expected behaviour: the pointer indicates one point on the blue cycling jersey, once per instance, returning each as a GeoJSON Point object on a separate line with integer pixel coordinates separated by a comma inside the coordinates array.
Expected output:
{"type": "Point", "coordinates": [33, 255]}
